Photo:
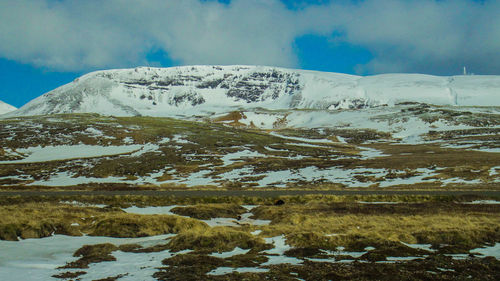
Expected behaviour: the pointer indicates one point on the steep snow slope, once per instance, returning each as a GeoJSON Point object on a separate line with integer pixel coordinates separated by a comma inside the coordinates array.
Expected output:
{"type": "Point", "coordinates": [199, 90]}
{"type": "Point", "coordinates": [4, 108]}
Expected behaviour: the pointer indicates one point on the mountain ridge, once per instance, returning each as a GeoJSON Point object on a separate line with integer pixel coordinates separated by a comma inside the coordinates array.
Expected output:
{"type": "Point", "coordinates": [200, 90]}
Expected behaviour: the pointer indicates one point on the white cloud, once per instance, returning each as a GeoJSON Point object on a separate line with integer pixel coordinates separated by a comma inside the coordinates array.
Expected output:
{"type": "Point", "coordinates": [426, 35]}
{"type": "Point", "coordinates": [404, 35]}
{"type": "Point", "coordinates": [76, 35]}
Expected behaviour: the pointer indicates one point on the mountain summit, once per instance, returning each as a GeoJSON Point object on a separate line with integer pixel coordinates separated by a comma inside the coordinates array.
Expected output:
{"type": "Point", "coordinates": [199, 90]}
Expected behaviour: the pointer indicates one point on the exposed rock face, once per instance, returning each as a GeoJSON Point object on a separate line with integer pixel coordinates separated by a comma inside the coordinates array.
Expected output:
{"type": "Point", "coordinates": [195, 90]}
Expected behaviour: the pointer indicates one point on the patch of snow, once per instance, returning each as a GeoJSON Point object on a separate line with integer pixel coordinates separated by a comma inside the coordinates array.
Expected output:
{"type": "Point", "coordinates": [394, 259]}
{"type": "Point", "coordinates": [179, 139]}
{"type": "Point", "coordinates": [134, 266]}
{"type": "Point", "coordinates": [234, 252]}
{"type": "Point", "coordinates": [227, 270]}
{"type": "Point", "coordinates": [230, 158]}
{"type": "Point", "coordinates": [82, 204]}
{"type": "Point", "coordinates": [164, 140]}
{"type": "Point", "coordinates": [65, 152]}
{"type": "Point", "coordinates": [164, 210]}
{"type": "Point", "coordinates": [370, 153]}
{"type": "Point", "coordinates": [40, 258]}
{"type": "Point", "coordinates": [66, 179]}
{"type": "Point", "coordinates": [491, 251]}
{"type": "Point", "coordinates": [299, 139]}
{"type": "Point", "coordinates": [458, 256]}
{"type": "Point", "coordinates": [494, 171]}
{"type": "Point", "coordinates": [94, 132]}
{"type": "Point", "coordinates": [341, 139]}
{"type": "Point", "coordinates": [340, 252]}
{"type": "Point", "coordinates": [279, 243]}
{"type": "Point", "coordinates": [256, 232]}
{"type": "Point", "coordinates": [426, 247]}
{"type": "Point", "coordinates": [245, 219]}
{"type": "Point", "coordinates": [492, 202]}
{"type": "Point", "coordinates": [128, 140]}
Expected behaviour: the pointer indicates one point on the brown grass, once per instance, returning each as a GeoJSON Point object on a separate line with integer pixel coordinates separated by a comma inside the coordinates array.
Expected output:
{"type": "Point", "coordinates": [314, 225]}
{"type": "Point", "coordinates": [208, 211]}
{"type": "Point", "coordinates": [216, 239]}
{"type": "Point", "coordinates": [36, 220]}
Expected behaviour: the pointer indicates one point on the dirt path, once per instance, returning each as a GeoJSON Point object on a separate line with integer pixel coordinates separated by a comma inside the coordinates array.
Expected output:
{"type": "Point", "coordinates": [247, 193]}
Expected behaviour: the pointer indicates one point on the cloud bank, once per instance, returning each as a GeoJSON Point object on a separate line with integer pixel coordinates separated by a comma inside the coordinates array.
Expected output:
{"type": "Point", "coordinates": [424, 36]}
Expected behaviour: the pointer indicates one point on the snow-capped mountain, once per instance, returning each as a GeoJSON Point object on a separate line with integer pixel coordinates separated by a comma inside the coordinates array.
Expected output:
{"type": "Point", "coordinates": [198, 90]}
{"type": "Point", "coordinates": [5, 108]}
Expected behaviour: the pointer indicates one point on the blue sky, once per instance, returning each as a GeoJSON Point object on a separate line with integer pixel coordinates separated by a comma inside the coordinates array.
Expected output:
{"type": "Point", "coordinates": [47, 43]}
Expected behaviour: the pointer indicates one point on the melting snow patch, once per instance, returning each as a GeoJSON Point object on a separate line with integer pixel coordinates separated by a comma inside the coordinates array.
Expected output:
{"type": "Point", "coordinates": [426, 247]}
{"type": "Point", "coordinates": [321, 260]}
{"type": "Point", "coordinates": [134, 266]}
{"type": "Point", "coordinates": [279, 243]}
{"type": "Point", "coordinates": [492, 251]}
{"type": "Point", "coordinates": [276, 254]}
{"type": "Point", "coordinates": [307, 145]}
{"type": "Point", "coordinates": [249, 207]}
{"type": "Point", "coordinates": [40, 258]}
{"type": "Point", "coordinates": [458, 256]}
{"type": "Point", "coordinates": [149, 147]}
{"type": "Point", "coordinates": [94, 132]}
{"type": "Point", "coordinates": [65, 152]}
{"type": "Point", "coordinates": [256, 232]}
{"type": "Point", "coordinates": [301, 139]}
{"type": "Point", "coordinates": [396, 259]}
{"type": "Point", "coordinates": [164, 140]}
{"type": "Point", "coordinates": [234, 252]}
{"type": "Point", "coordinates": [180, 139]}
{"type": "Point", "coordinates": [82, 204]}
{"type": "Point", "coordinates": [128, 140]}
{"type": "Point", "coordinates": [483, 202]}
{"type": "Point", "coordinates": [166, 210]}
{"type": "Point", "coordinates": [245, 219]}
{"type": "Point", "coordinates": [227, 270]}
{"type": "Point", "coordinates": [196, 178]}
{"type": "Point", "coordinates": [221, 222]}
{"type": "Point", "coordinates": [230, 158]}
{"type": "Point", "coordinates": [494, 171]}
{"type": "Point", "coordinates": [66, 179]}
{"type": "Point", "coordinates": [341, 139]}
{"type": "Point", "coordinates": [369, 153]}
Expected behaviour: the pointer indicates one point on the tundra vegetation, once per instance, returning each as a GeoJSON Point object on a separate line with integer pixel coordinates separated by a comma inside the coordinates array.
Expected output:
{"type": "Point", "coordinates": [168, 153]}
{"type": "Point", "coordinates": [376, 234]}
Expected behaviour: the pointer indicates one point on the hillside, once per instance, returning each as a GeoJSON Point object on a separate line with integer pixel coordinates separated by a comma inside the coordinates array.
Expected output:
{"type": "Point", "coordinates": [92, 151]}
{"type": "Point", "coordinates": [5, 108]}
{"type": "Point", "coordinates": [204, 90]}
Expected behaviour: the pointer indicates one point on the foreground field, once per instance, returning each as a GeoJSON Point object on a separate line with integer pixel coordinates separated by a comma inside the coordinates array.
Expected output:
{"type": "Point", "coordinates": [248, 238]}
